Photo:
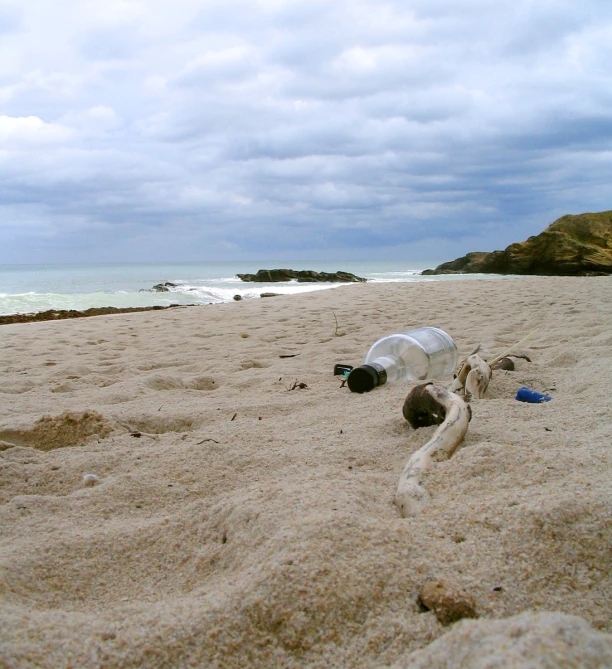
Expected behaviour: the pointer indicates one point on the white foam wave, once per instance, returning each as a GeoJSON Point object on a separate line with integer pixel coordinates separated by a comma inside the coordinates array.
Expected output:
{"type": "Point", "coordinates": [210, 293]}
{"type": "Point", "coordinates": [194, 291]}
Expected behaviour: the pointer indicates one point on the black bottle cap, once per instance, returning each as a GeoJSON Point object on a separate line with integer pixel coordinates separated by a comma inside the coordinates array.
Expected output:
{"type": "Point", "coordinates": [363, 379]}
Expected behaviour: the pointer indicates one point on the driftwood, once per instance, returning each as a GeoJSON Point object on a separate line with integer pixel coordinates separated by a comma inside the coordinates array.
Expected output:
{"type": "Point", "coordinates": [475, 373]}
{"type": "Point", "coordinates": [473, 377]}
{"type": "Point", "coordinates": [509, 350]}
{"type": "Point", "coordinates": [428, 404]}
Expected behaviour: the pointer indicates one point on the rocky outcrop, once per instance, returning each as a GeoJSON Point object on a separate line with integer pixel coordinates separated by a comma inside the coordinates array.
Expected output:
{"type": "Point", "coordinates": [60, 314]}
{"type": "Point", "coordinates": [159, 288]}
{"type": "Point", "coordinates": [302, 276]}
{"type": "Point", "coordinates": [571, 246]}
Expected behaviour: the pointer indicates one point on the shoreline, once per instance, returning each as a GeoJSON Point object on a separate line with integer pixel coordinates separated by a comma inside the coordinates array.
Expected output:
{"type": "Point", "coordinates": [315, 287]}
{"type": "Point", "coordinates": [127, 286]}
{"type": "Point", "coordinates": [202, 476]}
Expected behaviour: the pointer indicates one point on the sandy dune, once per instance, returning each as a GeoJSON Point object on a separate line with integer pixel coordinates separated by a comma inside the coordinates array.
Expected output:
{"type": "Point", "coordinates": [234, 522]}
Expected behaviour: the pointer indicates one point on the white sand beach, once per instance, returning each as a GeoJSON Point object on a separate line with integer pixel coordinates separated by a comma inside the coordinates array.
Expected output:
{"type": "Point", "coordinates": [233, 522]}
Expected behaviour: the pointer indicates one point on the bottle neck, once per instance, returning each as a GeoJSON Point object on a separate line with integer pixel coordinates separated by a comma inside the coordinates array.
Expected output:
{"type": "Point", "coordinates": [381, 370]}
{"type": "Point", "coordinates": [389, 366]}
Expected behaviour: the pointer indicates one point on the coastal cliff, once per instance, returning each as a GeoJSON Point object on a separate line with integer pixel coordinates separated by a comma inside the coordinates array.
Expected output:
{"type": "Point", "coordinates": [574, 245]}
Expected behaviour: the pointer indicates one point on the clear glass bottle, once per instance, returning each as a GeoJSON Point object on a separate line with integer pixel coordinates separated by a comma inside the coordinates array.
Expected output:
{"type": "Point", "coordinates": [422, 353]}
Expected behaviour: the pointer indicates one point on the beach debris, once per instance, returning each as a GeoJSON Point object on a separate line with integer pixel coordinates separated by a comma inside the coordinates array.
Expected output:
{"type": "Point", "coordinates": [233, 417]}
{"type": "Point", "coordinates": [511, 349]}
{"type": "Point", "coordinates": [421, 353]}
{"type": "Point", "coordinates": [342, 370]}
{"type": "Point", "coordinates": [209, 439]}
{"type": "Point", "coordinates": [288, 355]}
{"type": "Point", "coordinates": [525, 394]}
{"type": "Point", "coordinates": [475, 373]}
{"type": "Point", "coordinates": [447, 600]}
{"type": "Point", "coordinates": [297, 385]}
{"type": "Point", "coordinates": [337, 333]}
{"type": "Point", "coordinates": [429, 404]}
{"type": "Point", "coordinates": [269, 294]}
{"type": "Point", "coordinates": [472, 378]}
{"type": "Point", "coordinates": [90, 480]}
{"type": "Point", "coordinates": [506, 364]}
{"type": "Point", "coordinates": [237, 298]}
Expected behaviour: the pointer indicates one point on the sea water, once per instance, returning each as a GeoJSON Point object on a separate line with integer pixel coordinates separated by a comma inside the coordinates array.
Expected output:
{"type": "Point", "coordinates": [29, 288]}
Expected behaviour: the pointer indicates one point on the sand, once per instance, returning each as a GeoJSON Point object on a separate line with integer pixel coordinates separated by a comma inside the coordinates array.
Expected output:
{"type": "Point", "coordinates": [229, 521]}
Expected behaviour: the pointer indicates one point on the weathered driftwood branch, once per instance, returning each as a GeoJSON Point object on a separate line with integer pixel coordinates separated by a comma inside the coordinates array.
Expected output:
{"type": "Point", "coordinates": [428, 404]}
{"type": "Point", "coordinates": [473, 377]}
{"type": "Point", "coordinates": [509, 350]}
{"type": "Point", "coordinates": [475, 373]}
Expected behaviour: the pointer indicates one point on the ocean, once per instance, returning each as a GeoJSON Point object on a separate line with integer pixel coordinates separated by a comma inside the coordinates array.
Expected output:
{"type": "Point", "coordinates": [30, 288]}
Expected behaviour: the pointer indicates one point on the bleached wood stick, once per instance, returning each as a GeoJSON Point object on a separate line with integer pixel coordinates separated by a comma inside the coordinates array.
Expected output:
{"type": "Point", "coordinates": [509, 350]}
{"type": "Point", "coordinates": [428, 404]}
{"type": "Point", "coordinates": [473, 377]}
{"type": "Point", "coordinates": [477, 380]}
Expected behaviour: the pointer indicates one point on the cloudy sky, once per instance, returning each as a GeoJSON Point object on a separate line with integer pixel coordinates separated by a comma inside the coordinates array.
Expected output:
{"type": "Point", "coordinates": [245, 129]}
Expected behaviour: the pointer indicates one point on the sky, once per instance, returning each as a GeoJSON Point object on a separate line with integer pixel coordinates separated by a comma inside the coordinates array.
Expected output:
{"type": "Point", "coordinates": [157, 130]}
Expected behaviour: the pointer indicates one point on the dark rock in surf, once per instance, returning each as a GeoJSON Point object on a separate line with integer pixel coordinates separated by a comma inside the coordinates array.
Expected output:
{"type": "Point", "coordinates": [163, 287]}
{"type": "Point", "coordinates": [302, 276]}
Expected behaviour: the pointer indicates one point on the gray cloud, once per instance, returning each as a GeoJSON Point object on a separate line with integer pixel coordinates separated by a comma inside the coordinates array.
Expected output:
{"type": "Point", "coordinates": [234, 130]}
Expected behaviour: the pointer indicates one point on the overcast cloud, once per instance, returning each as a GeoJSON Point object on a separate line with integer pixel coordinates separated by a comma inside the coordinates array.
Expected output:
{"type": "Point", "coordinates": [198, 130]}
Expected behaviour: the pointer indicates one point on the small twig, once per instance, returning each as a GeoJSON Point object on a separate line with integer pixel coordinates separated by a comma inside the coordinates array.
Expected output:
{"type": "Point", "coordinates": [288, 355]}
{"type": "Point", "coordinates": [509, 350]}
{"type": "Point", "coordinates": [234, 416]}
{"type": "Point", "coordinates": [298, 384]}
{"type": "Point", "coordinates": [336, 333]}
{"type": "Point", "coordinates": [203, 440]}
{"type": "Point", "coordinates": [476, 350]}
